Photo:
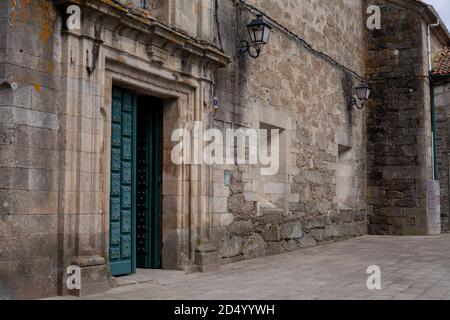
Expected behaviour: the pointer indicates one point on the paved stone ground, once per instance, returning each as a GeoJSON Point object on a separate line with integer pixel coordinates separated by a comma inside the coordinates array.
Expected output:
{"type": "Point", "coordinates": [412, 268]}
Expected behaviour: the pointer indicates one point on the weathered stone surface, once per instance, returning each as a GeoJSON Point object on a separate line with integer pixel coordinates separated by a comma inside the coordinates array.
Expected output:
{"type": "Point", "coordinates": [307, 241]}
{"type": "Point", "coordinates": [269, 213]}
{"type": "Point", "coordinates": [226, 219]}
{"type": "Point", "coordinates": [303, 199]}
{"type": "Point", "coordinates": [442, 101]}
{"type": "Point", "coordinates": [242, 227]}
{"type": "Point", "coordinates": [399, 143]}
{"type": "Point", "coordinates": [54, 103]}
{"type": "Point", "coordinates": [255, 247]}
{"type": "Point", "coordinates": [291, 231]}
{"type": "Point", "coordinates": [271, 233]}
{"type": "Point", "coordinates": [232, 246]}
{"type": "Point", "coordinates": [274, 248]}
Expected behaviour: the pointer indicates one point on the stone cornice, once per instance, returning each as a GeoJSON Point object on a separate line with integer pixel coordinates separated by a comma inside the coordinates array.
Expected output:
{"type": "Point", "coordinates": [162, 39]}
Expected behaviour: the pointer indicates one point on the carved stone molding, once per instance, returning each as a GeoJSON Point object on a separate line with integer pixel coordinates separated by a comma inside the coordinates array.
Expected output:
{"type": "Point", "coordinates": [162, 40]}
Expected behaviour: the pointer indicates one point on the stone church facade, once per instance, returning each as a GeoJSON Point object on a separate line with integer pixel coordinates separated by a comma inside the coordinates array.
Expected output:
{"type": "Point", "coordinates": [87, 176]}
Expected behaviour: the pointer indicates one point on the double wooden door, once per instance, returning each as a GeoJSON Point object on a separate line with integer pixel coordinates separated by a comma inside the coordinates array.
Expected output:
{"type": "Point", "coordinates": [136, 135]}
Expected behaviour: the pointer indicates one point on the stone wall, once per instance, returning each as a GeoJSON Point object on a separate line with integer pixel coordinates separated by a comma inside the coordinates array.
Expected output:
{"type": "Point", "coordinates": [399, 139]}
{"type": "Point", "coordinates": [29, 149]}
{"type": "Point", "coordinates": [55, 137]}
{"type": "Point", "coordinates": [322, 139]}
{"type": "Point", "coordinates": [442, 104]}
{"type": "Point", "coordinates": [336, 28]}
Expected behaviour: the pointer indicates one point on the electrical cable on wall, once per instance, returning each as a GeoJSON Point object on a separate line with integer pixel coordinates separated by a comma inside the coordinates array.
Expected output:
{"type": "Point", "coordinates": [306, 44]}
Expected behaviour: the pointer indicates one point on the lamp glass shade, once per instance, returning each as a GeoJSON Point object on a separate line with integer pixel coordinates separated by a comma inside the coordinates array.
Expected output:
{"type": "Point", "coordinates": [259, 31]}
{"type": "Point", "coordinates": [362, 91]}
{"type": "Point", "coordinates": [252, 35]}
{"type": "Point", "coordinates": [256, 34]}
{"type": "Point", "coordinates": [266, 35]}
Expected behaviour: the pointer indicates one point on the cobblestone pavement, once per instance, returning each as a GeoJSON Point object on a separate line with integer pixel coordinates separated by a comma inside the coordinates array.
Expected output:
{"type": "Point", "coordinates": [412, 268]}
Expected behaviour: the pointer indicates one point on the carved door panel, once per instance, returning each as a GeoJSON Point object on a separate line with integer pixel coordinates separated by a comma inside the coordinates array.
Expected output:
{"type": "Point", "coordinates": [122, 194]}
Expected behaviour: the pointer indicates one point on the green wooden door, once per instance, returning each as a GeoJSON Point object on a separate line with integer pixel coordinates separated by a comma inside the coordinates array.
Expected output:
{"type": "Point", "coordinates": [122, 203]}
{"type": "Point", "coordinates": [149, 136]}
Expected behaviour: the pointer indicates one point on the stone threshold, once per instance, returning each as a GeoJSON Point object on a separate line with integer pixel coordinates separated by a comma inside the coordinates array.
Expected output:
{"type": "Point", "coordinates": [143, 276]}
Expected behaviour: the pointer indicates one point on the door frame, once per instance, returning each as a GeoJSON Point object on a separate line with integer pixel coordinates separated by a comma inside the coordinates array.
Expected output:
{"type": "Point", "coordinates": [185, 212]}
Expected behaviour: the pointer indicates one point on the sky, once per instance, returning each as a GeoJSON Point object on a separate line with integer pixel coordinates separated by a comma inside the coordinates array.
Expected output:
{"type": "Point", "coordinates": [443, 8]}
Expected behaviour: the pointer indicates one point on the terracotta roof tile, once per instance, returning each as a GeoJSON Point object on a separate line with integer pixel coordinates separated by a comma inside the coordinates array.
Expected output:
{"type": "Point", "coordinates": [441, 64]}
